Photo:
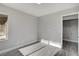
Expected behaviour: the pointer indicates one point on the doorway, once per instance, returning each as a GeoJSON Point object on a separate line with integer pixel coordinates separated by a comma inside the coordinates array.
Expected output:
{"type": "Point", "coordinates": [70, 35]}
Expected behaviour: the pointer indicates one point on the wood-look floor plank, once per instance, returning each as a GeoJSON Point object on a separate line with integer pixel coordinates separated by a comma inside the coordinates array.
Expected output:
{"type": "Point", "coordinates": [47, 51]}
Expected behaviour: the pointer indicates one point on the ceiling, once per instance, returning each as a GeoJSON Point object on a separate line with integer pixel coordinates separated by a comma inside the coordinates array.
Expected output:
{"type": "Point", "coordinates": [40, 9]}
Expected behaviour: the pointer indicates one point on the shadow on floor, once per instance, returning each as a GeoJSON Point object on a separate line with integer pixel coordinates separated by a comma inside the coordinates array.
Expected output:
{"type": "Point", "coordinates": [69, 49]}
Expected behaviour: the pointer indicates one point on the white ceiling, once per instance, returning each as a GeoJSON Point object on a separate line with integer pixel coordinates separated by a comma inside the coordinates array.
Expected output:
{"type": "Point", "coordinates": [40, 9]}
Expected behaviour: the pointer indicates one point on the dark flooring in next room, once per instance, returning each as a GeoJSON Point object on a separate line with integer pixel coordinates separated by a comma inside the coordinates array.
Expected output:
{"type": "Point", "coordinates": [69, 49]}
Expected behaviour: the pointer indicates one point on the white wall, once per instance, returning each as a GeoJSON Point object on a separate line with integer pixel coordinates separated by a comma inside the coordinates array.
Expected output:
{"type": "Point", "coordinates": [51, 26]}
{"type": "Point", "coordinates": [22, 28]}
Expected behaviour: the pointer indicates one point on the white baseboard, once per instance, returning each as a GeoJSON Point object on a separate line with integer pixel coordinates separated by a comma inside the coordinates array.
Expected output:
{"type": "Point", "coordinates": [18, 46]}
{"type": "Point", "coordinates": [55, 44]}
{"type": "Point", "coordinates": [51, 43]}
{"type": "Point", "coordinates": [71, 41]}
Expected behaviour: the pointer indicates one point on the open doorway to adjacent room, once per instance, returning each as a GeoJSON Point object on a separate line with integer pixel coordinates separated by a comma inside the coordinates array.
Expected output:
{"type": "Point", "coordinates": [70, 35]}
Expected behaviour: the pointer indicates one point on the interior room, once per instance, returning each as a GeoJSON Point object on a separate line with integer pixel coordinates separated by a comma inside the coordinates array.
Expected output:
{"type": "Point", "coordinates": [45, 29]}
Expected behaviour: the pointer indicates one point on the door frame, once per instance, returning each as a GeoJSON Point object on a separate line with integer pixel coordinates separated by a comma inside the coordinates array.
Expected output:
{"type": "Point", "coordinates": [62, 23]}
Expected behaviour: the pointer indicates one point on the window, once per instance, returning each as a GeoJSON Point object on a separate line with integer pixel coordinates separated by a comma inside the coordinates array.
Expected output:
{"type": "Point", "coordinates": [3, 27]}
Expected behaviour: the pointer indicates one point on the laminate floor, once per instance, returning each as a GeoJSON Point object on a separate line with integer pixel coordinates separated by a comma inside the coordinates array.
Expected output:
{"type": "Point", "coordinates": [16, 52]}
{"type": "Point", "coordinates": [45, 51]}
{"type": "Point", "coordinates": [69, 49]}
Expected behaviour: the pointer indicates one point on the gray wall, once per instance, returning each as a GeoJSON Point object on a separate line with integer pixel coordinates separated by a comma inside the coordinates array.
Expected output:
{"type": "Point", "coordinates": [22, 28]}
{"type": "Point", "coordinates": [51, 25]}
{"type": "Point", "coordinates": [70, 30]}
